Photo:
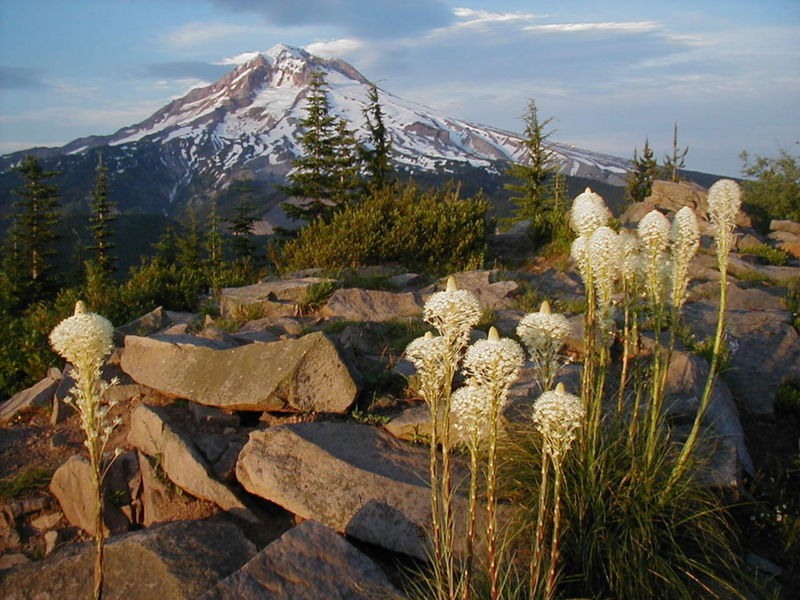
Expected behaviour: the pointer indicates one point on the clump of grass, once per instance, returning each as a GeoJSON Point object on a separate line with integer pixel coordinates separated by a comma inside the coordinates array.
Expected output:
{"type": "Point", "coordinates": [767, 254]}
{"type": "Point", "coordinates": [316, 295]}
{"type": "Point", "coordinates": [787, 399]}
{"type": "Point", "coordinates": [25, 482]}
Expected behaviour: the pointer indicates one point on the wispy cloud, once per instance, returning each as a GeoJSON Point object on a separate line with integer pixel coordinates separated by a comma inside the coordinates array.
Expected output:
{"type": "Point", "coordinates": [481, 17]}
{"type": "Point", "coordinates": [21, 78]}
{"type": "Point", "coordinates": [196, 33]}
{"type": "Point", "coordinates": [607, 26]}
{"type": "Point", "coordinates": [335, 48]}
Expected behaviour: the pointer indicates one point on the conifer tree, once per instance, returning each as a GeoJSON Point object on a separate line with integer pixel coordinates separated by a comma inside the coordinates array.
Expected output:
{"type": "Point", "coordinates": [347, 183]}
{"type": "Point", "coordinates": [30, 246]}
{"type": "Point", "coordinates": [213, 244]}
{"type": "Point", "coordinates": [311, 178]}
{"type": "Point", "coordinates": [241, 225]}
{"type": "Point", "coordinates": [533, 196]}
{"type": "Point", "coordinates": [167, 246]}
{"type": "Point", "coordinates": [325, 176]}
{"type": "Point", "coordinates": [642, 174]}
{"type": "Point", "coordinates": [675, 161]}
{"type": "Point", "coordinates": [378, 146]}
{"type": "Point", "coordinates": [189, 244]}
{"type": "Point", "coordinates": [101, 218]}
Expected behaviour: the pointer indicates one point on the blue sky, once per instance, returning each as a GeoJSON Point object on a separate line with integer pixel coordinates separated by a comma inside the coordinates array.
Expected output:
{"type": "Point", "coordinates": [610, 73]}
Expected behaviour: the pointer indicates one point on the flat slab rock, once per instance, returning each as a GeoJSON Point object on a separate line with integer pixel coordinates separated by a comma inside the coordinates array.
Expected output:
{"type": "Point", "coordinates": [305, 374]}
{"type": "Point", "coordinates": [276, 298]}
{"type": "Point", "coordinates": [356, 479]}
{"type": "Point", "coordinates": [311, 562]}
{"type": "Point", "coordinates": [177, 561]}
{"type": "Point", "coordinates": [356, 304]}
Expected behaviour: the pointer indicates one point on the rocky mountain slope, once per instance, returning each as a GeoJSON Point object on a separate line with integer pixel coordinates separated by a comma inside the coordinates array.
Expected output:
{"type": "Point", "coordinates": [246, 124]}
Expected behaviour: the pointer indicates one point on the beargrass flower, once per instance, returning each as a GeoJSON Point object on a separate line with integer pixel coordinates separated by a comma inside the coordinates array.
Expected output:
{"type": "Point", "coordinates": [588, 212]}
{"type": "Point", "coordinates": [557, 416]}
{"type": "Point", "coordinates": [604, 254]}
{"type": "Point", "coordinates": [470, 409]}
{"type": "Point", "coordinates": [84, 339]}
{"type": "Point", "coordinates": [630, 261]}
{"type": "Point", "coordinates": [724, 201]}
{"type": "Point", "coordinates": [654, 230]}
{"type": "Point", "coordinates": [685, 242]}
{"type": "Point", "coordinates": [543, 330]}
{"type": "Point", "coordinates": [494, 363]}
{"type": "Point", "coordinates": [454, 313]}
{"type": "Point", "coordinates": [579, 252]}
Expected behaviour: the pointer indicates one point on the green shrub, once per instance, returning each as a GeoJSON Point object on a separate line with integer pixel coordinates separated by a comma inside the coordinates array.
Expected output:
{"type": "Point", "coordinates": [772, 187]}
{"type": "Point", "coordinates": [434, 231]}
{"type": "Point", "coordinates": [770, 255]}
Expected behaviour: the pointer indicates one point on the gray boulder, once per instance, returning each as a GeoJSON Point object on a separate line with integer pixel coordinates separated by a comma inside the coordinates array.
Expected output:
{"type": "Point", "coordinates": [152, 434]}
{"type": "Point", "coordinates": [365, 483]}
{"type": "Point", "coordinates": [765, 351]}
{"type": "Point", "coordinates": [178, 561]}
{"type": "Point", "coordinates": [356, 304]}
{"type": "Point", "coordinates": [39, 395]}
{"type": "Point", "coordinates": [686, 379]}
{"type": "Point", "coordinates": [310, 562]}
{"type": "Point", "coordinates": [277, 298]}
{"type": "Point", "coordinates": [72, 486]}
{"type": "Point", "coordinates": [305, 374]}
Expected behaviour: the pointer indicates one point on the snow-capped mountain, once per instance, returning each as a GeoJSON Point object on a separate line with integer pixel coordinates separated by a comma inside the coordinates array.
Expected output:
{"type": "Point", "coordinates": [195, 146]}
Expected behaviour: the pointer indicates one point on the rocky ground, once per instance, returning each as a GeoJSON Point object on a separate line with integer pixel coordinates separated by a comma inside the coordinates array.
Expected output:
{"type": "Point", "coordinates": [270, 451]}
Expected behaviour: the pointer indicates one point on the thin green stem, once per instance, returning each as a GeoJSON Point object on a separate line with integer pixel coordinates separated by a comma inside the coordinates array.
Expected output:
{"type": "Point", "coordinates": [550, 585]}
{"type": "Point", "coordinates": [538, 539]}
{"type": "Point", "coordinates": [691, 441]}
{"type": "Point", "coordinates": [491, 502]}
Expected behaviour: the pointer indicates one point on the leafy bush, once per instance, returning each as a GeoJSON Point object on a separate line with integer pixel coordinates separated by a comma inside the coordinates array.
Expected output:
{"type": "Point", "coordinates": [770, 255]}
{"type": "Point", "coordinates": [434, 231]}
{"type": "Point", "coordinates": [772, 187]}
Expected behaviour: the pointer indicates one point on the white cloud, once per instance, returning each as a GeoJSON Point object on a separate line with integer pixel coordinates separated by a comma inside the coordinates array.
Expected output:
{"type": "Point", "coordinates": [479, 17]}
{"type": "Point", "coordinates": [238, 59]}
{"type": "Point", "coordinates": [335, 48]}
{"type": "Point", "coordinates": [196, 33]}
{"type": "Point", "coordinates": [610, 26]}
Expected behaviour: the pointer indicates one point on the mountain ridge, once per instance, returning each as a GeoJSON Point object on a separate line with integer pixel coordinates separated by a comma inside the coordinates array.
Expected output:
{"type": "Point", "coordinates": [245, 125]}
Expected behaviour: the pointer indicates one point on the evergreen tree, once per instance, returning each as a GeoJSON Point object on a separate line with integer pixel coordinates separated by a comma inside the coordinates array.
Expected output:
{"type": "Point", "coordinates": [642, 175]}
{"type": "Point", "coordinates": [346, 166]}
{"type": "Point", "coordinates": [378, 146]}
{"type": "Point", "coordinates": [101, 219]}
{"type": "Point", "coordinates": [533, 196]}
{"type": "Point", "coordinates": [189, 244]}
{"type": "Point", "coordinates": [167, 247]}
{"type": "Point", "coordinates": [675, 161]}
{"type": "Point", "coordinates": [322, 177]}
{"type": "Point", "coordinates": [241, 225]}
{"type": "Point", "coordinates": [30, 245]}
{"type": "Point", "coordinates": [213, 244]}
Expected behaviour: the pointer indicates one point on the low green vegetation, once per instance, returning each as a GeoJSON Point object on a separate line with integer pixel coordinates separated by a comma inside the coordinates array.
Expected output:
{"type": "Point", "coordinates": [767, 254]}
{"type": "Point", "coordinates": [771, 187]}
{"type": "Point", "coordinates": [25, 482]}
{"type": "Point", "coordinates": [433, 231]}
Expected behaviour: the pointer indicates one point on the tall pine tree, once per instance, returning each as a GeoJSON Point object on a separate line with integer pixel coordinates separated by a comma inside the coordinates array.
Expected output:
{"type": "Point", "coordinates": [311, 180]}
{"type": "Point", "coordinates": [378, 146]}
{"type": "Point", "coordinates": [326, 175]}
{"type": "Point", "coordinates": [675, 161]}
{"type": "Point", "coordinates": [29, 252]}
{"type": "Point", "coordinates": [642, 174]}
{"type": "Point", "coordinates": [214, 245]}
{"type": "Point", "coordinates": [189, 244]}
{"type": "Point", "coordinates": [101, 218]}
{"type": "Point", "coordinates": [533, 195]}
{"type": "Point", "coordinates": [241, 225]}
{"type": "Point", "coordinates": [346, 167]}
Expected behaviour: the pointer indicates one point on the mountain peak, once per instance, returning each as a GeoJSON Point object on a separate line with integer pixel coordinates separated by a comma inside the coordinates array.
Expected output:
{"type": "Point", "coordinates": [284, 51]}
